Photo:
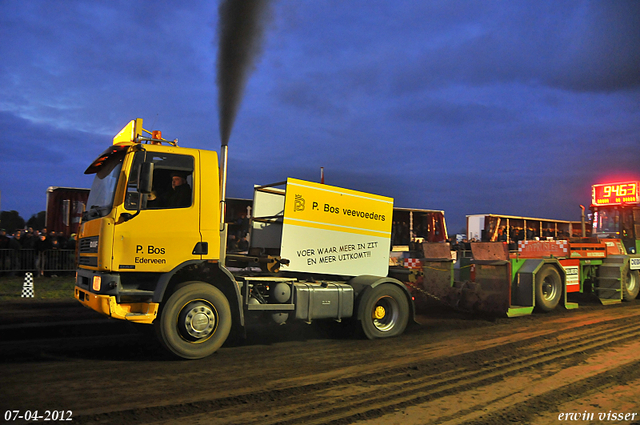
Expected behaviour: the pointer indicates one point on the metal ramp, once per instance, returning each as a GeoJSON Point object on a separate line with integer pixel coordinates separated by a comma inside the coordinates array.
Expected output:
{"type": "Point", "coordinates": [608, 285]}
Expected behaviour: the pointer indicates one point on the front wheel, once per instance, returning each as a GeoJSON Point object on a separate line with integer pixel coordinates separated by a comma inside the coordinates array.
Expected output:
{"type": "Point", "coordinates": [631, 284]}
{"type": "Point", "coordinates": [386, 312]}
{"type": "Point", "coordinates": [548, 288]}
{"type": "Point", "coordinates": [195, 321]}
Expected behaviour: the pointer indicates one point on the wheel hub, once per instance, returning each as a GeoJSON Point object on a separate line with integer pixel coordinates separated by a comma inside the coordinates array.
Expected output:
{"type": "Point", "coordinates": [385, 314]}
{"type": "Point", "coordinates": [548, 290]}
{"type": "Point", "coordinates": [198, 320]}
{"type": "Point", "coordinates": [379, 312]}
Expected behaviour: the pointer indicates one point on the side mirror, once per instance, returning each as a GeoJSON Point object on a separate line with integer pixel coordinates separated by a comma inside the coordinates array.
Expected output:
{"type": "Point", "coordinates": [145, 178]}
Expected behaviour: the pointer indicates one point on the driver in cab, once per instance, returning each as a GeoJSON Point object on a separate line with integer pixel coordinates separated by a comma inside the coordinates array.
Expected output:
{"type": "Point", "coordinates": [180, 194]}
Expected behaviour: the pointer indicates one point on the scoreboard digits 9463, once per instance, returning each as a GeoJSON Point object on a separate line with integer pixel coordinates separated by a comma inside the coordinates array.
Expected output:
{"type": "Point", "coordinates": [615, 193]}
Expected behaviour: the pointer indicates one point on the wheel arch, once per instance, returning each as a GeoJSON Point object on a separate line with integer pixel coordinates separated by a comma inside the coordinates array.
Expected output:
{"type": "Point", "coordinates": [556, 264]}
{"type": "Point", "coordinates": [203, 271]}
{"type": "Point", "coordinates": [526, 277]}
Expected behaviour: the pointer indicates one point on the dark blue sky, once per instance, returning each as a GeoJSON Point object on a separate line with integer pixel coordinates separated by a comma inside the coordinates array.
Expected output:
{"type": "Point", "coordinates": [471, 107]}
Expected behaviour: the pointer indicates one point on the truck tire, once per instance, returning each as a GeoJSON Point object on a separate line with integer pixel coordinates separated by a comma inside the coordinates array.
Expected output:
{"type": "Point", "coordinates": [548, 288]}
{"type": "Point", "coordinates": [195, 321]}
{"type": "Point", "coordinates": [386, 312]}
{"type": "Point", "coordinates": [631, 284]}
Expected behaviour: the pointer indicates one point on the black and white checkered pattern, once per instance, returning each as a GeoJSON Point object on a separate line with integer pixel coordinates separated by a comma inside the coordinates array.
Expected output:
{"type": "Point", "coordinates": [27, 287]}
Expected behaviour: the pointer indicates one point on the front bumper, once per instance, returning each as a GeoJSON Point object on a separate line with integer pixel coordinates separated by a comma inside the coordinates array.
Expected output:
{"type": "Point", "coordinates": [107, 305]}
{"type": "Point", "coordinates": [108, 297]}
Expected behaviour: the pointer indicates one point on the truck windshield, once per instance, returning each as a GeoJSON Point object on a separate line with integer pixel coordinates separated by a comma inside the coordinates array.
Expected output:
{"type": "Point", "coordinates": [103, 188]}
{"type": "Point", "coordinates": [606, 223]}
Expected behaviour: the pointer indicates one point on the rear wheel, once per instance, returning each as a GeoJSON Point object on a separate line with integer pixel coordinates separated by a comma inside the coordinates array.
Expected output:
{"type": "Point", "coordinates": [631, 284]}
{"type": "Point", "coordinates": [386, 312]}
{"type": "Point", "coordinates": [195, 321]}
{"type": "Point", "coordinates": [548, 288]}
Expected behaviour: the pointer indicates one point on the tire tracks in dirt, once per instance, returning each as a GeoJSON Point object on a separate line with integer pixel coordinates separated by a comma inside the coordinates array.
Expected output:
{"type": "Point", "coordinates": [370, 393]}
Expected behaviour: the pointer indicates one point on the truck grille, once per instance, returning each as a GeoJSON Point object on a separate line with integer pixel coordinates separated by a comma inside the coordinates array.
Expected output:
{"type": "Point", "coordinates": [88, 261]}
{"type": "Point", "coordinates": [88, 245]}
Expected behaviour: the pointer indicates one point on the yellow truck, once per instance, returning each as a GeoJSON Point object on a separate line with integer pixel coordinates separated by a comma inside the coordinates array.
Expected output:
{"type": "Point", "coordinates": [153, 249]}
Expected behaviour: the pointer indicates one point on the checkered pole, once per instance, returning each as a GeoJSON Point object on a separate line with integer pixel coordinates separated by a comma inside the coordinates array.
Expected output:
{"type": "Point", "coordinates": [27, 287]}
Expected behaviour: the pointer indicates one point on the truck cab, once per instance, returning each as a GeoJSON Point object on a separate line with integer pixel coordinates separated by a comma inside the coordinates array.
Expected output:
{"type": "Point", "coordinates": [616, 213]}
{"type": "Point", "coordinates": [132, 240]}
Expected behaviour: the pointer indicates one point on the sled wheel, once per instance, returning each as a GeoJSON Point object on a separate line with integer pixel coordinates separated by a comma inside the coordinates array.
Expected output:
{"type": "Point", "coordinates": [631, 284]}
{"type": "Point", "coordinates": [548, 288]}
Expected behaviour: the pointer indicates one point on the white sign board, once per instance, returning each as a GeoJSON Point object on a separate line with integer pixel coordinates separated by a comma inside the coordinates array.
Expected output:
{"type": "Point", "coordinates": [331, 230]}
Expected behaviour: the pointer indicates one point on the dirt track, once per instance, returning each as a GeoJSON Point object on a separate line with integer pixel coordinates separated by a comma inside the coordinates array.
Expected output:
{"type": "Point", "coordinates": [452, 369]}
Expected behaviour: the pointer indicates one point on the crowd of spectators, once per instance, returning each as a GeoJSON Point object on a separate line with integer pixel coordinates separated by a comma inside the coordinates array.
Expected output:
{"type": "Point", "coordinates": [40, 240]}
{"type": "Point", "coordinates": [25, 249]}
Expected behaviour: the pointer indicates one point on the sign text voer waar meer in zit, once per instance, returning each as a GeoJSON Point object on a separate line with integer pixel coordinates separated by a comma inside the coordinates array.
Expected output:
{"type": "Point", "coordinates": [332, 230]}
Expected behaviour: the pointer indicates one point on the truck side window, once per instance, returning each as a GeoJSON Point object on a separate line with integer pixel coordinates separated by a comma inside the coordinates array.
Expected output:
{"type": "Point", "coordinates": [172, 182]}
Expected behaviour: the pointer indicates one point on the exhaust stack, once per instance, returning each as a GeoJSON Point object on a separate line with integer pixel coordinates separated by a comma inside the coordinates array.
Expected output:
{"type": "Point", "coordinates": [240, 28]}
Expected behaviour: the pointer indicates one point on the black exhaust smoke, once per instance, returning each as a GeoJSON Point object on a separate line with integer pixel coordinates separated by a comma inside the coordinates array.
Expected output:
{"type": "Point", "coordinates": [240, 29]}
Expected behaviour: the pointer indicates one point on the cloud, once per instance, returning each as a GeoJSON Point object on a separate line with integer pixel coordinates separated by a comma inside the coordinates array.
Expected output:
{"type": "Point", "coordinates": [506, 107]}
{"type": "Point", "coordinates": [74, 63]}
{"type": "Point", "coordinates": [583, 47]}
{"type": "Point", "coordinates": [445, 113]}
{"type": "Point", "coordinates": [321, 101]}
{"type": "Point", "coordinates": [36, 156]}
{"type": "Point", "coordinates": [601, 49]}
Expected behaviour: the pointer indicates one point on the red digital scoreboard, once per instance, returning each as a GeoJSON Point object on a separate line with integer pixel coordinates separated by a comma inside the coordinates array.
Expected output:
{"type": "Point", "coordinates": [615, 193]}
